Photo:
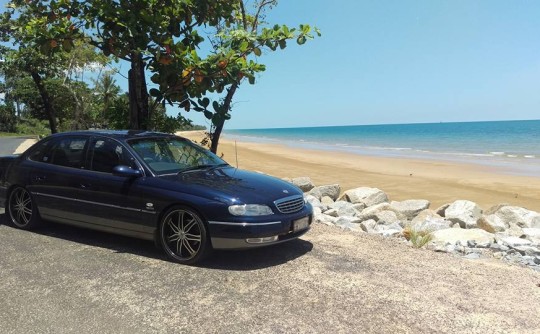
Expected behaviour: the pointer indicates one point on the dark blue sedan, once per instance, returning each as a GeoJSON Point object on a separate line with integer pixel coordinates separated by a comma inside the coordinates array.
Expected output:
{"type": "Point", "coordinates": [152, 186]}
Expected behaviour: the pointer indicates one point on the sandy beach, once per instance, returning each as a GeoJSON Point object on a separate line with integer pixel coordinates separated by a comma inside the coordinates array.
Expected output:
{"type": "Point", "coordinates": [437, 181]}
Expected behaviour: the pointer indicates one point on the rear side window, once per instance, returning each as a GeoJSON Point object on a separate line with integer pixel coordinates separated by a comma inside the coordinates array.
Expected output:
{"type": "Point", "coordinates": [39, 151]}
{"type": "Point", "coordinates": [68, 152]}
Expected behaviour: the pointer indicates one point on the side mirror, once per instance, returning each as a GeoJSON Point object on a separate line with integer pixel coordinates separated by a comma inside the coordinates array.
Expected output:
{"type": "Point", "coordinates": [125, 171]}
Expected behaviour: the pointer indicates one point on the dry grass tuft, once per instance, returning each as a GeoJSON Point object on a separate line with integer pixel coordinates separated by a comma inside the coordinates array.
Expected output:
{"type": "Point", "coordinates": [418, 238]}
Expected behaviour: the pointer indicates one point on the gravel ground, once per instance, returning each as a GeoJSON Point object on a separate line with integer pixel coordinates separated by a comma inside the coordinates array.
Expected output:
{"type": "Point", "coordinates": [62, 279]}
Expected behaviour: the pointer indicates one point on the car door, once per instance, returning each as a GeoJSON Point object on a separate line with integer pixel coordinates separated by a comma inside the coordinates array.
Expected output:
{"type": "Point", "coordinates": [53, 172]}
{"type": "Point", "coordinates": [111, 202]}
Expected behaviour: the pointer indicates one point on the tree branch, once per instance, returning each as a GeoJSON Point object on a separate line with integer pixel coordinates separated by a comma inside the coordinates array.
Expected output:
{"type": "Point", "coordinates": [257, 15]}
{"type": "Point", "coordinates": [243, 10]}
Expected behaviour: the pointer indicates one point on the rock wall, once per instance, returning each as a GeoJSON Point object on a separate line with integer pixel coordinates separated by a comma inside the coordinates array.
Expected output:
{"type": "Point", "coordinates": [462, 227]}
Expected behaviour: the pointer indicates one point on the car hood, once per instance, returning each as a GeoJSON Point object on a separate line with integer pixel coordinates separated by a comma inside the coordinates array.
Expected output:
{"type": "Point", "coordinates": [231, 185]}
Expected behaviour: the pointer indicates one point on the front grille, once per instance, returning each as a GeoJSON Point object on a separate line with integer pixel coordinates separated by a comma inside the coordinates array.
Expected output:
{"type": "Point", "coordinates": [290, 204]}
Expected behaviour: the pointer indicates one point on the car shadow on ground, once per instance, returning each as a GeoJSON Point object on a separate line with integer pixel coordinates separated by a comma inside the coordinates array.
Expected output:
{"type": "Point", "coordinates": [251, 259]}
{"type": "Point", "coordinates": [258, 258]}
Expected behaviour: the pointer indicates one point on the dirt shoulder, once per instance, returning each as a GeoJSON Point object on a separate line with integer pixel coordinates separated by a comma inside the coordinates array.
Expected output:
{"type": "Point", "coordinates": [62, 278]}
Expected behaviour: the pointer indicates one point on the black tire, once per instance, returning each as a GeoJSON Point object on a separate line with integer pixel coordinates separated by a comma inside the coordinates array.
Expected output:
{"type": "Point", "coordinates": [183, 236]}
{"type": "Point", "coordinates": [22, 210]}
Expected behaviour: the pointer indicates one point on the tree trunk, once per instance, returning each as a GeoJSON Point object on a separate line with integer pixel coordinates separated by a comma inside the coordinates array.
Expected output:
{"type": "Point", "coordinates": [138, 94]}
{"type": "Point", "coordinates": [47, 103]}
{"type": "Point", "coordinates": [219, 127]}
{"type": "Point", "coordinates": [18, 109]}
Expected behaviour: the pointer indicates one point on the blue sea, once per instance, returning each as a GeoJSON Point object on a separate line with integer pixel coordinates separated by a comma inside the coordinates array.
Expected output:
{"type": "Point", "coordinates": [513, 146]}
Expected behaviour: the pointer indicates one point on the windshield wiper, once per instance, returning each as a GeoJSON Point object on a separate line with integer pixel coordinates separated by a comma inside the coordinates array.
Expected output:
{"type": "Point", "coordinates": [199, 167]}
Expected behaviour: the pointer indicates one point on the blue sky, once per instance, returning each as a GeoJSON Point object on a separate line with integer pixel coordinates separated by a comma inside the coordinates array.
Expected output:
{"type": "Point", "coordinates": [381, 62]}
{"type": "Point", "coordinates": [400, 62]}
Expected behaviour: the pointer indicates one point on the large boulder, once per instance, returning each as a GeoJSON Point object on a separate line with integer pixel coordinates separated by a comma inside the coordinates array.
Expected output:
{"type": "Point", "coordinates": [327, 201]}
{"type": "Point", "coordinates": [387, 217]}
{"type": "Point", "coordinates": [532, 234]}
{"type": "Point", "coordinates": [491, 223]}
{"type": "Point", "coordinates": [352, 220]}
{"type": "Point", "coordinates": [349, 223]}
{"type": "Point", "coordinates": [512, 241]}
{"type": "Point", "coordinates": [513, 230]}
{"type": "Point", "coordinates": [453, 235]}
{"type": "Point", "coordinates": [371, 212]}
{"type": "Point", "coordinates": [331, 212]}
{"type": "Point", "coordinates": [359, 206]}
{"type": "Point", "coordinates": [331, 190]}
{"type": "Point", "coordinates": [344, 208]}
{"type": "Point", "coordinates": [527, 250]}
{"type": "Point", "coordinates": [314, 201]}
{"type": "Point", "coordinates": [429, 221]}
{"type": "Point", "coordinates": [368, 225]}
{"type": "Point", "coordinates": [495, 208]}
{"type": "Point", "coordinates": [520, 216]}
{"type": "Point", "coordinates": [464, 213]}
{"type": "Point", "coordinates": [365, 195]}
{"type": "Point", "coordinates": [325, 219]}
{"type": "Point", "coordinates": [391, 230]}
{"type": "Point", "coordinates": [410, 208]}
{"type": "Point", "coordinates": [304, 183]}
{"type": "Point", "coordinates": [440, 209]}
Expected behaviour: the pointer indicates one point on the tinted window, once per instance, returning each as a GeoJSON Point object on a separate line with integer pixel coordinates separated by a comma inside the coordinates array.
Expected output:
{"type": "Point", "coordinates": [39, 151]}
{"type": "Point", "coordinates": [106, 154]}
{"type": "Point", "coordinates": [171, 155]}
{"type": "Point", "coordinates": [68, 152]}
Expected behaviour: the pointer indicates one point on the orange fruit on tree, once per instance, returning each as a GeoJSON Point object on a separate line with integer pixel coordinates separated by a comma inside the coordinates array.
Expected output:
{"type": "Point", "coordinates": [222, 63]}
{"type": "Point", "coordinates": [199, 77]}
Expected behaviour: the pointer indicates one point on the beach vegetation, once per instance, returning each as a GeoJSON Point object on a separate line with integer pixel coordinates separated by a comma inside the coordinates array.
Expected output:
{"type": "Point", "coordinates": [195, 54]}
{"type": "Point", "coordinates": [417, 237]}
{"type": "Point", "coordinates": [237, 47]}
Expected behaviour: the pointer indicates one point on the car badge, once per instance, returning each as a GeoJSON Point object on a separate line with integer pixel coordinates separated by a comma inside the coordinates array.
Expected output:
{"type": "Point", "coordinates": [149, 206]}
{"type": "Point", "coordinates": [286, 191]}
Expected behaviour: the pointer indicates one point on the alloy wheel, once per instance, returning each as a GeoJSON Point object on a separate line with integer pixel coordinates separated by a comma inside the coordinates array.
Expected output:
{"type": "Point", "coordinates": [183, 236]}
{"type": "Point", "coordinates": [21, 208]}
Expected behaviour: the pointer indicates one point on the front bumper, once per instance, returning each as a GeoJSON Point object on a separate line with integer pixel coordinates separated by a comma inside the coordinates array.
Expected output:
{"type": "Point", "coordinates": [235, 235]}
{"type": "Point", "coordinates": [232, 243]}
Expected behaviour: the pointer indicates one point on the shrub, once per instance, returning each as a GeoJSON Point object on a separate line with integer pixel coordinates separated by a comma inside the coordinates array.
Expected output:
{"type": "Point", "coordinates": [32, 126]}
{"type": "Point", "coordinates": [418, 238]}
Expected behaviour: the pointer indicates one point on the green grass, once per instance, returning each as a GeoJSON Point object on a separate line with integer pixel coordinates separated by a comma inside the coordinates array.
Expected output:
{"type": "Point", "coordinates": [29, 127]}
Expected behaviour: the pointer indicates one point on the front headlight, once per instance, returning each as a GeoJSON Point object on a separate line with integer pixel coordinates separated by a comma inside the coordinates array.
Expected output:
{"type": "Point", "coordinates": [250, 210]}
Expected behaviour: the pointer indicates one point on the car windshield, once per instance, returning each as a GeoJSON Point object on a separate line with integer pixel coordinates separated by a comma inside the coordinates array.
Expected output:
{"type": "Point", "coordinates": [174, 155]}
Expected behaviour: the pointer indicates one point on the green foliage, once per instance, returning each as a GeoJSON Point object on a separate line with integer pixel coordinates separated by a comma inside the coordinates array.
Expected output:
{"type": "Point", "coordinates": [117, 113]}
{"type": "Point", "coordinates": [8, 120]}
{"type": "Point", "coordinates": [117, 117]}
{"type": "Point", "coordinates": [162, 37]}
{"type": "Point", "coordinates": [162, 122]}
{"type": "Point", "coordinates": [32, 126]}
{"type": "Point", "coordinates": [153, 35]}
{"type": "Point", "coordinates": [237, 47]}
{"type": "Point", "coordinates": [42, 39]}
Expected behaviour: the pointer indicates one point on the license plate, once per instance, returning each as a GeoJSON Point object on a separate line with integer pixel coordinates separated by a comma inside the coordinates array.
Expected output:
{"type": "Point", "coordinates": [300, 224]}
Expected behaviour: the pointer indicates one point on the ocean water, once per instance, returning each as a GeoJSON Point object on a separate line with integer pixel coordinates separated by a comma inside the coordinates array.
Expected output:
{"type": "Point", "coordinates": [513, 146]}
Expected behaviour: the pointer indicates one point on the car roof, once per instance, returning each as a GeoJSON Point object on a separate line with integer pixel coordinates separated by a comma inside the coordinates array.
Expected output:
{"type": "Point", "coordinates": [118, 134]}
